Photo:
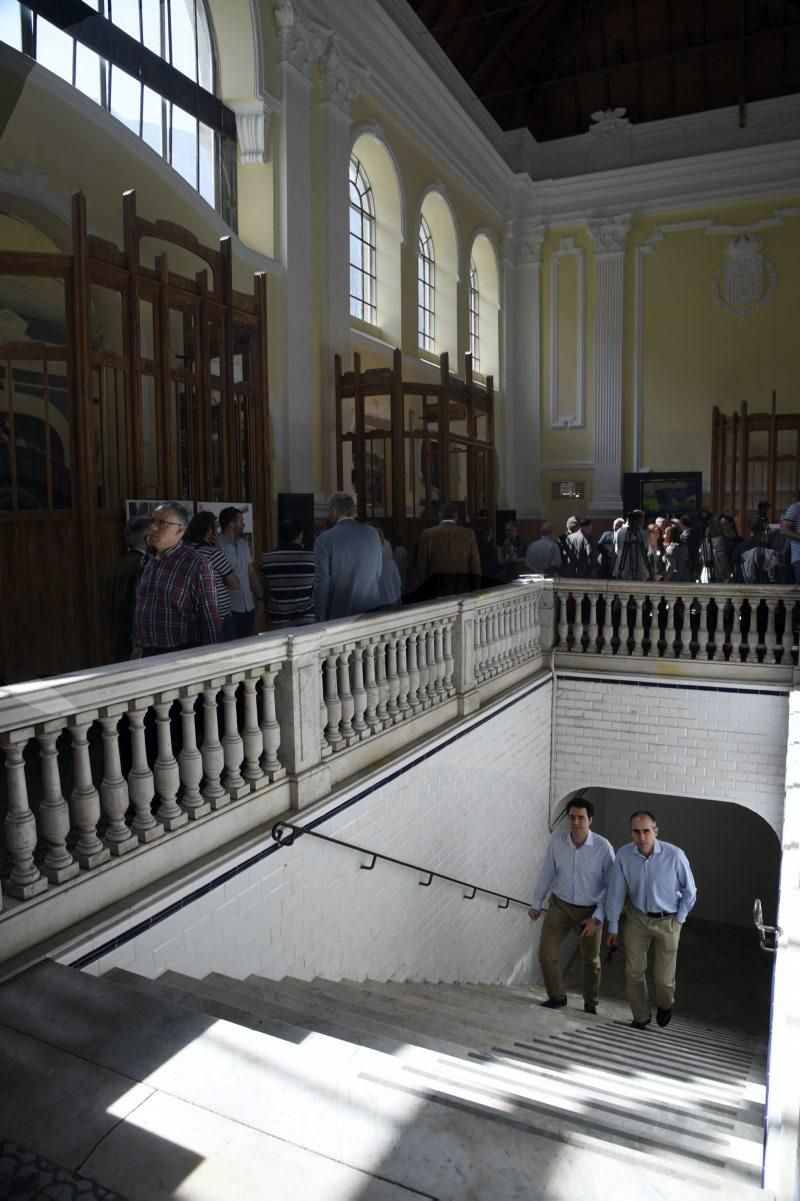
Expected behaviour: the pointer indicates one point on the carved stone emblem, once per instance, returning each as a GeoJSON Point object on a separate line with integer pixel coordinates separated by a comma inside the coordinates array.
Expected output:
{"type": "Point", "coordinates": [745, 281]}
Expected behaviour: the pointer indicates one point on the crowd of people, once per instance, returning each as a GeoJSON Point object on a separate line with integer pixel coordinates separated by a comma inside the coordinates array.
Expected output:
{"type": "Point", "coordinates": [191, 581]}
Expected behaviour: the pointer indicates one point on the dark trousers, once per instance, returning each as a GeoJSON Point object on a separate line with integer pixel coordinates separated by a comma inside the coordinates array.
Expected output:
{"type": "Point", "coordinates": [244, 623]}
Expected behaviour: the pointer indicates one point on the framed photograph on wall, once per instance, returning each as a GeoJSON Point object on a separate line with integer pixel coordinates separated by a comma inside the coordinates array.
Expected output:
{"type": "Point", "coordinates": [660, 493]}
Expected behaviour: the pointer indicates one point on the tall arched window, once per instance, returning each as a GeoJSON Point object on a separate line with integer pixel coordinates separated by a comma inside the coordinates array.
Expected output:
{"type": "Point", "coordinates": [474, 316]}
{"type": "Point", "coordinates": [150, 63]}
{"type": "Point", "coordinates": [363, 276]}
{"type": "Point", "coordinates": [426, 288]}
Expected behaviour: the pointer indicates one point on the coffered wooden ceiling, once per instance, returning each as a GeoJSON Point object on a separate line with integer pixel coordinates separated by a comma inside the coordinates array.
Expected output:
{"type": "Point", "coordinates": [549, 64]}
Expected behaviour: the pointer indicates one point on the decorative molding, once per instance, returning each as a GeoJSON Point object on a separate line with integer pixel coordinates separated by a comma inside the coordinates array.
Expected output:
{"type": "Point", "coordinates": [609, 234]}
{"type": "Point", "coordinates": [609, 139]}
{"type": "Point", "coordinates": [574, 465]}
{"type": "Point", "coordinates": [253, 127]}
{"type": "Point", "coordinates": [301, 41]}
{"type": "Point", "coordinates": [31, 184]}
{"type": "Point", "coordinates": [742, 277]}
{"type": "Point", "coordinates": [343, 78]}
{"type": "Point", "coordinates": [578, 419]}
{"type": "Point", "coordinates": [522, 242]}
{"type": "Point", "coordinates": [711, 227]}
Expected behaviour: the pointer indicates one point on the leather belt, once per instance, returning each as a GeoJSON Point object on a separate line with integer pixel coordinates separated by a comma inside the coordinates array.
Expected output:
{"type": "Point", "coordinates": [660, 913]}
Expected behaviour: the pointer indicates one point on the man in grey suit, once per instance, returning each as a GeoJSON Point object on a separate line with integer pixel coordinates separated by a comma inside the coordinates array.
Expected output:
{"type": "Point", "coordinates": [348, 561]}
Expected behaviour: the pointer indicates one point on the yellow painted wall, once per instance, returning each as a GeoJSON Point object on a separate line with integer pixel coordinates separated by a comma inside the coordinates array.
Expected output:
{"type": "Point", "coordinates": [562, 445]}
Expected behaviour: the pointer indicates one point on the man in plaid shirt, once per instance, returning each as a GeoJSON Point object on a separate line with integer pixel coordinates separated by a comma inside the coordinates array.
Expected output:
{"type": "Point", "coordinates": [176, 597]}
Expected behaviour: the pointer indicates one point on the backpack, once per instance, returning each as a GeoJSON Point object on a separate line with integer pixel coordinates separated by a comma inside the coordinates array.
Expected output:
{"type": "Point", "coordinates": [760, 565]}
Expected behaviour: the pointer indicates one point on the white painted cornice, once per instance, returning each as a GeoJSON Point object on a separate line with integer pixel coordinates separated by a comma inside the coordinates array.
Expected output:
{"type": "Point", "coordinates": [301, 39]}
{"type": "Point", "coordinates": [253, 127]}
{"type": "Point", "coordinates": [522, 241]}
{"type": "Point", "coordinates": [342, 76]}
{"type": "Point", "coordinates": [609, 233]}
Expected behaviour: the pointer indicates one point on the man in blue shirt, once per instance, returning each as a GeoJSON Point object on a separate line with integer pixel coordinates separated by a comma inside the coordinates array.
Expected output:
{"type": "Point", "coordinates": [575, 872]}
{"type": "Point", "coordinates": [658, 880]}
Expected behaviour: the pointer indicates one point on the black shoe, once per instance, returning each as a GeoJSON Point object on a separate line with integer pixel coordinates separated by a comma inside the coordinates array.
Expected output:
{"type": "Point", "coordinates": [554, 1003]}
{"type": "Point", "coordinates": [589, 1007]}
{"type": "Point", "coordinates": [641, 1025]}
{"type": "Point", "coordinates": [663, 1016]}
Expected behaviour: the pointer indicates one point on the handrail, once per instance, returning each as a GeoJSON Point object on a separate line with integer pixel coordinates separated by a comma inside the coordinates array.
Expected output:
{"type": "Point", "coordinates": [287, 841]}
{"type": "Point", "coordinates": [765, 932]}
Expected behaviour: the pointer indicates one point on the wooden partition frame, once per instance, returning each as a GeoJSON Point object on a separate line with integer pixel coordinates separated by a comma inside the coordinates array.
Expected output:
{"type": "Point", "coordinates": [735, 462]}
{"type": "Point", "coordinates": [474, 400]}
{"type": "Point", "coordinates": [109, 443]}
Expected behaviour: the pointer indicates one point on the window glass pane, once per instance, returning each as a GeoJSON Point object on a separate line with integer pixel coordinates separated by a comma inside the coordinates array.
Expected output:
{"type": "Point", "coordinates": [184, 144]}
{"type": "Point", "coordinates": [126, 98]}
{"type": "Point", "coordinates": [89, 73]}
{"type": "Point", "coordinates": [146, 329]}
{"type": "Point", "coordinates": [30, 435]}
{"type": "Point", "coordinates": [217, 444]}
{"type": "Point", "coordinates": [54, 49]}
{"type": "Point", "coordinates": [151, 26]}
{"type": "Point", "coordinates": [10, 25]}
{"type": "Point", "coordinates": [107, 332]}
{"type": "Point", "coordinates": [205, 54]}
{"type": "Point", "coordinates": [149, 437]}
{"type": "Point", "coordinates": [6, 442]}
{"type": "Point", "coordinates": [58, 419]}
{"type": "Point", "coordinates": [32, 310]}
{"type": "Point", "coordinates": [125, 15]}
{"type": "Point", "coordinates": [181, 340]}
{"type": "Point", "coordinates": [153, 119]}
{"type": "Point", "coordinates": [207, 163]}
{"type": "Point", "coordinates": [183, 43]}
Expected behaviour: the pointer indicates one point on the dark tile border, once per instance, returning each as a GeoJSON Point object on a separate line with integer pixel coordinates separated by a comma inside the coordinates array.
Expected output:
{"type": "Point", "coordinates": [617, 681]}
{"type": "Point", "coordinates": [147, 924]}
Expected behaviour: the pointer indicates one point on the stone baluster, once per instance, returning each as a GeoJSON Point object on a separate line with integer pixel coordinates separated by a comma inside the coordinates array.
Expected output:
{"type": "Point", "coordinates": [413, 674]}
{"type": "Point", "coordinates": [607, 631]}
{"type": "Point", "coordinates": [269, 762]}
{"type": "Point", "coordinates": [114, 789]}
{"type": "Point", "coordinates": [324, 746]}
{"type": "Point", "coordinates": [594, 631]}
{"type": "Point", "coordinates": [702, 632]}
{"type": "Point", "coordinates": [84, 801]}
{"type": "Point", "coordinates": [26, 880]}
{"type": "Point", "coordinates": [736, 631]}
{"type": "Point", "coordinates": [346, 697]}
{"type": "Point", "coordinates": [403, 695]}
{"type": "Point", "coordinates": [252, 739]}
{"type": "Point", "coordinates": [787, 638]}
{"type": "Point", "coordinates": [371, 686]}
{"type": "Point", "coordinates": [396, 678]}
{"type": "Point", "coordinates": [433, 670]}
{"type": "Point", "coordinates": [563, 624]}
{"type": "Point", "coordinates": [486, 644]}
{"type": "Point", "coordinates": [140, 777]}
{"type": "Point", "coordinates": [438, 654]}
{"type": "Point", "coordinates": [762, 636]}
{"type": "Point", "coordinates": [638, 624]}
{"type": "Point", "coordinates": [190, 761]}
{"type": "Point", "coordinates": [669, 629]}
{"type": "Point", "coordinates": [422, 664]}
{"type": "Point", "coordinates": [58, 865]}
{"type": "Point", "coordinates": [449, 662]}
{"type": "Point", "coordinates": [232, 746]}
{"type": "Point", "coordinates": [384, 718]}
{"type": "Point", "coordinates": [497, 641]}
{"type": "Point", "coordinates": [360, 726]}
{"type": "Point", "coordinates": [770, 637]}
{"type": "Point", "coordinates": [506, 658]}
{"type": "Point", "coordinates": [165, 769]}
{"type": "Point", "coordinates": [718, 655]}
{"type": "Point", "coordinates": [333, 704]}
{"type": "Point", "coordinates": [478, 635]}
{"type": "Point", "coordinates": [211, 750]}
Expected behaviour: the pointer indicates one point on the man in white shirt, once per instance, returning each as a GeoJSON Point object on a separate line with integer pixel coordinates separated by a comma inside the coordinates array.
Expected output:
{"type": "Point", "coordinates": [543, 556]}
{"type": "Point", "coordinates": [790, 528]}
{"type": "Point", "coordinates": [575, 872]}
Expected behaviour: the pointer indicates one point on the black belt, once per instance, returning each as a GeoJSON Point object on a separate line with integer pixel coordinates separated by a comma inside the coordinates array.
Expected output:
{"type": "Point", "coordinates": [660, 913]}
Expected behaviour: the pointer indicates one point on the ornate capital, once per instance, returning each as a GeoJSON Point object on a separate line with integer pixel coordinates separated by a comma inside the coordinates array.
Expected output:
{"type": "Point", "coordinates": [609, 233]}
{"type": "Point", "coordinates": [342, 76]}
{"type": "Point", "coordinates": [301, 41]}
{"type": "Point", "coordinates": [253, 121]}
{"type": "Point", "coordinates": [522, 243]}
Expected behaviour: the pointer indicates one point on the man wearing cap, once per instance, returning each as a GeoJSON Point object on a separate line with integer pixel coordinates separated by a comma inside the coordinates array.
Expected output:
{"type": "Point", "coordinates": [575, 873]}
{"type": "Point", "coordinates": [237, 552]}
{"type": "Point", "coordinates": [657, 878]}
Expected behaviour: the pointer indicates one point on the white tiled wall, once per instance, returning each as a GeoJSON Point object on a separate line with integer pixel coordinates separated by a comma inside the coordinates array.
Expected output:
{"type": "Point", "coordinates": [476, 809]}
{"type": "Point", "coordinates": [696, 742]}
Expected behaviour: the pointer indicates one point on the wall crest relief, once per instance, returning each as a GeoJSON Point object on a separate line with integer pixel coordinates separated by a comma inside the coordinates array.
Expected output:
{"type": "Point", "coordinates": [745, 281]}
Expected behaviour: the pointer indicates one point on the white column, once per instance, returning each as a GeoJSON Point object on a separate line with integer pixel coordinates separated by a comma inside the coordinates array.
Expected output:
{"type": "Point", "coordinates": [342, 80]}
{"type": "Point", "coordinates": [300, 43]}
{"type": "Point", "coordinates": [522, 285]}
{"type": "Point", "coordinates": [609, 236]}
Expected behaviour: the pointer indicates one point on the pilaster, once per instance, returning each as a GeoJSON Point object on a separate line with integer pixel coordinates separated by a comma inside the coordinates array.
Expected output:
{"type": "Point", "coordinates": [300, 43]}
{"type": "Point", "coordinates": [609, 236]}
{"type": "Point", "coordinates": [342, 80]}
{"type": "Point", "coordinates": [522, 303]}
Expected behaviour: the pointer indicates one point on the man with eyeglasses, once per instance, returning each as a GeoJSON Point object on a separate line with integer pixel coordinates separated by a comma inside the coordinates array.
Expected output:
{"type": "Point", "coordinates": [176, 597]}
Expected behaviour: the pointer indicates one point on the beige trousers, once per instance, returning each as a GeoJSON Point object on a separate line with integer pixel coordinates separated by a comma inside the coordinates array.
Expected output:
{"type": "Point", "coordinates": [640, 931]}
{"type": "Point", "coordinates": [559, 920]}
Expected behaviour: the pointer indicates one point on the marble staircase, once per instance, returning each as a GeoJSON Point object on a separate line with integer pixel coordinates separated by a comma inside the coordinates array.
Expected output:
{"type": "Point", "coordinates": [370, 1091]}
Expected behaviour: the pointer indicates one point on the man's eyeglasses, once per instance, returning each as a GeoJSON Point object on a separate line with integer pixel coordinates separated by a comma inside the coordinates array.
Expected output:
{"type": "Point", "coordinates": [158, 523]}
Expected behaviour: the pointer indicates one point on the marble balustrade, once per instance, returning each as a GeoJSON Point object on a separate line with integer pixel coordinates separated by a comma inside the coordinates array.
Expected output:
{"type": "Point", "coordinates": [104, 764]}
{"type": "Point", "coordinates": [708, 623]}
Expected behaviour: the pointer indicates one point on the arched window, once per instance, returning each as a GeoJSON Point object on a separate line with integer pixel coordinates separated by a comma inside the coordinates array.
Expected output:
{"type": "Point", "coordinates": [426, 288]}
{"type": "Point", "coordinates": [150, 63]}
{"type": "Point", "coordinates": [363, 275]}
{"type": "Point", "coordinates": [474, 316]}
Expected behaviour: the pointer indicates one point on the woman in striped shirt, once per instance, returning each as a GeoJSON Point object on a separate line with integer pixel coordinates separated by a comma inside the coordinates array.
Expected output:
{"type": "Point", "coordinates": [202, 536]}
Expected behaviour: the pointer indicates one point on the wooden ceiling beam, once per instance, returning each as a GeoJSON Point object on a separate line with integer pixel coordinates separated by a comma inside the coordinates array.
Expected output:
{"type": "Point", "coordinates": [499, 45]}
